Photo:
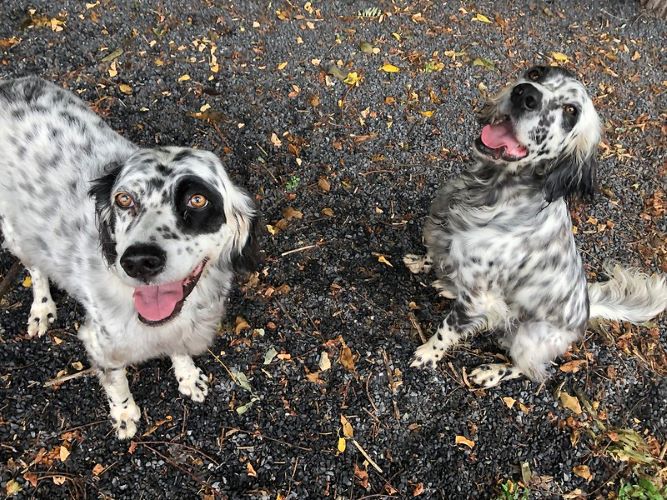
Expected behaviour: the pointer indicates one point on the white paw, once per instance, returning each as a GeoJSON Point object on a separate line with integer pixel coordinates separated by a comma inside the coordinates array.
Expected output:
{"type": "Point", "coordinates": [42, 315]}
{"type": "Point", "coordinates": [124, 418]}
{"type": "Point", "coordinates": [427, 355]}
{"type": "Point", "coordinates": [492, 374]}
{"type": "Point", "coordinates": [417, 263]}
{"type": "Point", "coordinates": [194, 384]}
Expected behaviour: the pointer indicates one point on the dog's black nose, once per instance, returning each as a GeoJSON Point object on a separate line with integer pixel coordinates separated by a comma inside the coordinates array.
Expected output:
{"type": "Point", "coordinates": [143, 261]}
{"type": "Point", "coordinates": [525, 97]}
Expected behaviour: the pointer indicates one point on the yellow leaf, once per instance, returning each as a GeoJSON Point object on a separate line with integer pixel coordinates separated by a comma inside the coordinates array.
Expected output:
{"type": "Point", "coordinates": [464, 440]}
{"type": "Point", "coordinates": [64, 453]}
{"type": "Point", "coordinates": [205, 107]}
{"type": "Point", "coordinates": [340, 445]}
{"type": "Point", "coordinates": [560, 57]}
{"type": "Point", "coordinates": [390, 68]}
{"type": "Point", "coordinates": [183, 78]}
{"type": "Point", "coordinates": [427, 114]}
{"type": "Point", "coordinates": [481, 18]}
{"type": "Point", "coordinates": [282, 65]}
{"type": "Point", "coordinates": [13, 488]}
{"type": "Point", "coordinates": [582, 471]}
{"type": "Point", "coordinates": [570, 402]}
{"type": "Point", "coordinates": [352, 78]}
{"type": "Point", "coordinates": [509, 402]}
{"type": "Point", "coordinates": [92, 5]}
{"type": "Point", "coordinates": [382, 259]}
{"type": "Point", "coordinates": [396, 36]}
{"type": "Point", "coordinates": [271, 229]}
{"type": "Point", "coordinates": [98, 469]}
{"type": "Point", "coordinates": [125, 88]}
{"type": "Point", "coordinates": [347, 427]}
{"type": "Point", "coordinates": [27, 282]}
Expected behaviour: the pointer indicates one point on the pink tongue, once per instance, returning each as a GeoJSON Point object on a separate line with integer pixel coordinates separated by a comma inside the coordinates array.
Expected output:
{"type": "Point", "coordinates": [156, 303]}
{"type": "Point", "coordinates": [502, 136]}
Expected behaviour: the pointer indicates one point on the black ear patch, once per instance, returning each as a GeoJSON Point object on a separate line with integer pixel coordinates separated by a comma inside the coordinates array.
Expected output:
{"type": "Point", "coordinates": [106, 220]}
{"type": "Point", "coordinates": [571, 178]}
{"type": "Point", "coordinates": [248, 258]}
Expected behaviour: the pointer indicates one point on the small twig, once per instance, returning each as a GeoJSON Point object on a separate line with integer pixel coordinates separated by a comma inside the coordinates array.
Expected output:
{"type": "Point", "coordinates": [176, 465]}
{"type": "Point", "coordinates": [366, 456]}
{"type": "Point", "coordinates": [417, 326]}
{"type": "Point", "coordinates": [9, 277]}
{"type": "Point", "coordinates": [301, 249]}
{"type": "Point", "coordinates": [60, 380]}
{"type": "Point", "coordinates": [215, 462]}
{"type": "Point", "coordinates": [231, 375]}
{"type": "Point", "coordinates": [78, 427]}
{"type": "Point", "coordinates": [260, 435]}
{"type": "Point", "coordinates": [284, 310]}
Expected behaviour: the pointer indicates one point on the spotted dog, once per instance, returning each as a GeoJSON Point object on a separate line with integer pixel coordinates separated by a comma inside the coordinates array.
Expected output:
{"type": "Point", "coordinates": [147, 240]}
{"type": "Point", "coordinates": [500, 240]}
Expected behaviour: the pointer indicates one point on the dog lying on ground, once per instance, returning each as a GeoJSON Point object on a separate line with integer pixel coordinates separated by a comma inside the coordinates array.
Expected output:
{"type": "Point", "coordinates": [147, 240]}
{"type": "Point", "coordinates": [500, 237]}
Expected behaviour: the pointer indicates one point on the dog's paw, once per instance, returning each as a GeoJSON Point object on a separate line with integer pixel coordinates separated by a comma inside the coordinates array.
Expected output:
{"type": "Point", "coordinates": [417, 263]}
{"type": "Point", "coordinates": [42, 315]}
{"type": "Point", "coordinates": [492, 374]}
{"type": "Point", "coordinates": [124, 418]}
{"type": "Point", "coordinates": [194, 384]}
{"type": "Point", "coordinates": [426, 356]}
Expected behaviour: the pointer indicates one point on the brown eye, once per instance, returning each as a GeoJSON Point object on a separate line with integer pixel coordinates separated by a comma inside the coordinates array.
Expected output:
{"type": "Point", "coordinates": [570, 110]}
{"type": "Point", "coordinates": [124, 200]}
{"type": "Point", "coordinates": [533, 75]}
{"type": "Point", "coordinates": [197, 201]}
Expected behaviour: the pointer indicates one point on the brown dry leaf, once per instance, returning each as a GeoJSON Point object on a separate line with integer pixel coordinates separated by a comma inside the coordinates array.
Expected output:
{"type": "Point", "coordinates": [328, 212]}
{"type": "Point", "coordinates": [58, 480]}
{"type": "Point", "coordinates": [324, 184]}
{"type": "Point", "coordinates": [7, 43]}
{"type": "Point", "coordinates": [283, 356]}
{"type": "Point", "coordinates": [64, 453]}
{"type": "Point", "coordinates": [290, 213]}
{"type": "Point", "coordinates": [347, 427]}
{"type": "Point", "coordinates": [325, 363]}
{"type": "Point", "coordinates": [98, 469]}
{"type": "Point", "coordinates": [275, 140]}
{"type": "Point", "coordinates": [250, 470]}
{"type": "Point", "coordinates": [570, 402]}
{"type": "Point", "coordinates": [347, 359]}
{"type": "Point", "coordinates": [464, 440]}
{"type": "Point", "coordinates": [314, 377]}
{"type": "Point", "coordinates": [418, 489]}
{"type": "Point", "coordinates": [314, 101]}
{"type": "Point", "coordinates": [31, 477]}
{"type": "Point", "coordinates": [361, 475]}
{"type": "Point", "coordinates": [132, 448]}
{"type": "Point", "coordinates": [582, 471]}
{"type": "Point", "coordinates": [240, 324]}
{"type": "Point", "coordinates": [573, 366]}
{"type": "Point", "coordinates": [509, 402]}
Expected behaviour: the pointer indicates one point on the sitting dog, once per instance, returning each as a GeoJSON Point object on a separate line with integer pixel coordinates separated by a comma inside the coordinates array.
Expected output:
{"type": "Point", "coordinates": [147, 240]}
{"type": "Point", "coordinates": [500, 237]}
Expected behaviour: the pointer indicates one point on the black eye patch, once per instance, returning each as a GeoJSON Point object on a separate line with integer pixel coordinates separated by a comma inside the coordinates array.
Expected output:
{"type": "Point", "coordinates": [198, 220]}
{"type": "Point", "coordinates": [570, 117]}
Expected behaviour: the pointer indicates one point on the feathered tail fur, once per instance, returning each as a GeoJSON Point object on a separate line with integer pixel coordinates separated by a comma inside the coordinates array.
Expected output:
{"type": "Point", "coordinates": [629, 295]}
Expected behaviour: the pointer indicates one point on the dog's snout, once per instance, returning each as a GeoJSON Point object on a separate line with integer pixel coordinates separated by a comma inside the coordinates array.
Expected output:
{"type": "Point", "coordinates": [143, 261]}
{"type": "Point", "coordinates": [525, 97]}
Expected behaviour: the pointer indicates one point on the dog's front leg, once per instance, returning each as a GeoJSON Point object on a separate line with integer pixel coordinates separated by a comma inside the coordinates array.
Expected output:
{"type": "Point", "coordinates": [123, 411]}
{"type": "Point", "coordinates": [192, 382]}
{"type": "Point", "coordinates": [43, 309]}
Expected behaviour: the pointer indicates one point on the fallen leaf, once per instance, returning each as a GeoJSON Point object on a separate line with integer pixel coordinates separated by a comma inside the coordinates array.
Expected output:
{"type": "Point", "coordinates": [481, 18]}
{"type": "Point", "coordinates": [485, 63]}
{"type": "Point", "coordinates": [290, 213]}
{"type": "Point", "coordinates": [636, 56]}
{"type": "Point", "coordinates": [250, 470]}
{"type": "Point", "coordinates": [418, 489]}
{"type": "Point", "coordinates": [465, 441]}
{"type": "Point", "coordinates": [347, 427]}
{"type": "Point", "coordinates": [64, 453]}
{"type": "Point", "coordinates": [582, 471]}
{"type": "Point", "coordinates": [427, 114]}
{"type": "Point", "coordinates": [125, 88]}
{"type": "Point", "coordinates": [509, 402]}
{"type": "Point", "coordinates": [112, 55]}
{"type": "Point", "coordinates": [58, 480]}
{"type": "Point", "coordinates": [27, 282]}
{"type": "Point", "coordinates": [240, 324]}
{"type": "Point", "coordinates": [382, 259]}
{"type": "Point", "coordinates": [361, 475]}
{"type": "Point", "coordinates": [98, 469]}
{"type": "Point", "coordinates": [560, 57]}
{"type": "Point", "coordinates": [270, 354]}
{"type": "Point", "coordinates": [325, 363]}
{"type": "Point", "coordinates": [282, 65]}
{"type": "Point", "coordinates": [573, 366]}
{"type": "Point", "coordinates": [77, 365]}
{"type": "Point", "coordinates": [32, 478]}
{"type": "Point", "coordinates": [324, 184]}
{"type": "Point", "coordinates": [314, 377]}
{"type": "Point", "coordinates": [275, 140]}
{"type": "Point", "coordinates": [7, 43]}
{"type": "Point", "coordinates": [570, 402]}
{"type": "Point", "coordinates": [347, 359]}
{"type": "Point", "coordinates": [283, 356]}
{"type": "Point", "coordinates": [12, 488]}
{"type": "Point", "coordinates": [241, 380]}
{"type": "Point", "coordinates": [390, 68]}
{"type": "Point", "coordinates": [341, 445]}
{"type": "Point", "coordinates": [352, 79]}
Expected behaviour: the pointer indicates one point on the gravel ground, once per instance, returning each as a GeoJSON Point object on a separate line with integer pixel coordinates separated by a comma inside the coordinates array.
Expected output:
{"type": "Point", "coordinates": [344, 174]}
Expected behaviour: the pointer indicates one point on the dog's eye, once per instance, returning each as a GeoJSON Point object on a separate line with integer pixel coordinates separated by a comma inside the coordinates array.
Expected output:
{"type": "Point", "coordinates": [124, 200]}
{"type": "Point", "coordinates": [197, 201]}
{"type": "Point", "coordinates": [533, 74]}
{"type": "Point", "coordinates": [570, 109]}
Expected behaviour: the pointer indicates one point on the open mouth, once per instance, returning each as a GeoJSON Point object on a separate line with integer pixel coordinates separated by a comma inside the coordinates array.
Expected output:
{"type": "Point", "coordinates": [157, 304]}
{"type": "Point", "coordinates": [499, 141]}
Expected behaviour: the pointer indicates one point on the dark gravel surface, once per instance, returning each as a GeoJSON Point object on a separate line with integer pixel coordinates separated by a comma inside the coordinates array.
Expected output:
{"type": "Point", "coordinates": [351, 180]}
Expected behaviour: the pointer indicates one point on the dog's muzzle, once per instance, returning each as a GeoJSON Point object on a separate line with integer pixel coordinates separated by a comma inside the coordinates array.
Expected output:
{"type": "Point", "coordinates": [525, 98]}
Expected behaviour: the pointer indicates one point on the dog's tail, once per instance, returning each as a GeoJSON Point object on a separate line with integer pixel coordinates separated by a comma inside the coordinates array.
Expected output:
{"type": "Point", "coordinates": [629, 295]}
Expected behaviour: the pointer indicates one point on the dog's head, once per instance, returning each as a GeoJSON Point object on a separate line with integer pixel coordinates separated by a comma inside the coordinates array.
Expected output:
{"type": "Point", "coordinates": [166, 216]}
{"type": "Point", "coordinates": [545, 121]}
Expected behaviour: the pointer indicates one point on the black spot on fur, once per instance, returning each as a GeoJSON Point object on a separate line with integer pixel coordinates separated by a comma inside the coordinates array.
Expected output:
{"type": "Point", "coordinates": [182, 155]}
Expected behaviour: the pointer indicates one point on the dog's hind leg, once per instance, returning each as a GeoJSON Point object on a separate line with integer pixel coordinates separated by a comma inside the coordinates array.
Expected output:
{"type": "Point", "coordinates": [123, 411]}
{"type": "Point", "coordinates": [192, 382]}
{"type": "Point", "coordinates": [43, 309]}
{"type": "Point", "coordinates": [457, 326]}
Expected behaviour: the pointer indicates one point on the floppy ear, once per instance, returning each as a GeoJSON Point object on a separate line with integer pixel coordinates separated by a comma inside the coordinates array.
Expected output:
{"type": "Point", "coordinates": [245, 253]}
{"type": "Point", "coordinates": [100, 191]}
{"type": "Point", "coordinates": [571, 177]}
